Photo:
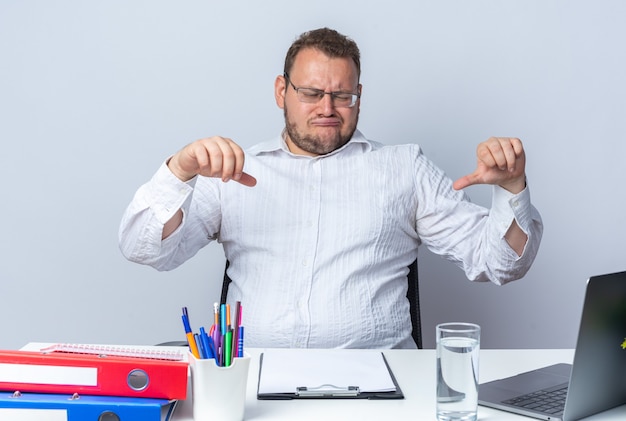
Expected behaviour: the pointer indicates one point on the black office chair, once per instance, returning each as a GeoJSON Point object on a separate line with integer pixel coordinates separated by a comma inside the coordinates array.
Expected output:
{"type": "Point", "coordinates": [412, 294]}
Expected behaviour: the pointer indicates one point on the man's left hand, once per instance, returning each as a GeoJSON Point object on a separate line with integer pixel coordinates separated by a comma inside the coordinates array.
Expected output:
{"type": "Point", "coordinates": [501, 161]}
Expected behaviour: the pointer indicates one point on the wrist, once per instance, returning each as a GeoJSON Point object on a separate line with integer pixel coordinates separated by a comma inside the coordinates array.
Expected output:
{"type": "Point", "coordinates": [515, 186]}
{"type": "Point", "coordinates": [177, 171]}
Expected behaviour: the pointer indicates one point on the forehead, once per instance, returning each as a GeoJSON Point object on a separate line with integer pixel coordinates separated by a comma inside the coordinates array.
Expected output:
{"type": "Point", "coordinates": [312, 65]}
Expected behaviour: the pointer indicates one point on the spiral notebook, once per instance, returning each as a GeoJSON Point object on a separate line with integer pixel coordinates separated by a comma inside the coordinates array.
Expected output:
{"type": "Point", "coordinates": [118, 351]}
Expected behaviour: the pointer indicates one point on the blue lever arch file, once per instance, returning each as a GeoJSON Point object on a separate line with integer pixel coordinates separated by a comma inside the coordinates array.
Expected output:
{"type": "Point", "coordinates": [16, 406]}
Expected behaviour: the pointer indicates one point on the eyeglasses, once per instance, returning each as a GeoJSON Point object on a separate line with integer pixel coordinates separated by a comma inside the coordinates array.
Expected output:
{"type": "Point", "coordinates": [313, 96]}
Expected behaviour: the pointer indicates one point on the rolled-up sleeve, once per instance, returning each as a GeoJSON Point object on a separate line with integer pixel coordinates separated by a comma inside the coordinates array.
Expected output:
{"type": "Point", "coordinates": [507, 207]}
{"type": "Point", "coordinates": [141, 228]}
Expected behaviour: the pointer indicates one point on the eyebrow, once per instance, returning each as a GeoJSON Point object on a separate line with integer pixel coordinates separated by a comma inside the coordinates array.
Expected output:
{"type": "Point", "coordinates": [355, 91]}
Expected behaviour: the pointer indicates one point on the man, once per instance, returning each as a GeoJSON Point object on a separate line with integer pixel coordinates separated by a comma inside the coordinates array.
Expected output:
{"type": "Point", "coordinates": [321, 226]}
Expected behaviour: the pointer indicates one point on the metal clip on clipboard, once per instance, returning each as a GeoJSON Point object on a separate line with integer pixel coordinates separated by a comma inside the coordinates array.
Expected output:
{"type": "Point", "coordinates": [327, 390]}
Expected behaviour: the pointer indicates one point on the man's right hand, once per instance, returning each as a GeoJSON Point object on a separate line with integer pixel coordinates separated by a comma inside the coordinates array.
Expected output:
{"type": "Point", "coordinates": [215, 156]}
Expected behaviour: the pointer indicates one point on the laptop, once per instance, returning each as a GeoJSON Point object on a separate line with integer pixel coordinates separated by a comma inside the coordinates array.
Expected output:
{"type": "Point", "coordinates": [595, 382]}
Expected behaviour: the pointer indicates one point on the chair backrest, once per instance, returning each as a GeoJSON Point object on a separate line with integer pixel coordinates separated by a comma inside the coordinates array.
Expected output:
{"type": "Point", "coordinates": [412, 294]}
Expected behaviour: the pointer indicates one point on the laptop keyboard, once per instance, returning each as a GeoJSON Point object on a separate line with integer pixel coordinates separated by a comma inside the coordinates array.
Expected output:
{"type": "Point", "coordinates": [549, 401]}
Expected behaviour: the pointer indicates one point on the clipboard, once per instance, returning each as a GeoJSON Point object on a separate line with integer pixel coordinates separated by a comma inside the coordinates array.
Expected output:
{"type": "Point", "coordinates": [295, 377]}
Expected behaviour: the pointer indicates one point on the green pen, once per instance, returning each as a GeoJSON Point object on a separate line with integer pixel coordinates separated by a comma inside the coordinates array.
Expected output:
{"type": "Point", "coordinates": [228, 348]}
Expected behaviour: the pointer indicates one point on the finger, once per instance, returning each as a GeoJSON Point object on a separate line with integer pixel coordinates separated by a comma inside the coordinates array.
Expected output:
{"type": "Point", "coordinates": [236, 159]}
{"type": "Point", "coordinates": [246, 179]}
{"type": "Point", "coordinates": [518, 147]}
{"type": "Point", "coordinates": [509, 151]}
{"type": "Point", "coordinates": [230, 153]}
{"type": "Point", "coordinates": [520, 155]}
{"type": "Point", "coordinates": [193, 158]}
{"type": "Point", "coordinates": [466, 181]}
{"type": "Point", "coordinates": [209, 157]}
{"type": "Point", "coordinates": [232, 159]}
{"type": "Point", "coordinates": [220, 161]}
{"type": "Point", "coordinates": [492, 154]}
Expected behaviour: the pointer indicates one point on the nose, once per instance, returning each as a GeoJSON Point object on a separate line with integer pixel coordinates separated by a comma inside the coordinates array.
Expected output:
{"type": "Point", "coordinates": [327, 105]}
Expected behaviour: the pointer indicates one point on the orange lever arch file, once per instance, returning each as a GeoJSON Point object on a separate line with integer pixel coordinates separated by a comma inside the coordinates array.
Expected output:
{"type": "Point", "coordinates": [60, 372]}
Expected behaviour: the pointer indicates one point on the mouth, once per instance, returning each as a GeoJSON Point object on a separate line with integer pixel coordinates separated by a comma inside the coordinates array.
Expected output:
{"type": "Point", "coordinates": [326, 122]}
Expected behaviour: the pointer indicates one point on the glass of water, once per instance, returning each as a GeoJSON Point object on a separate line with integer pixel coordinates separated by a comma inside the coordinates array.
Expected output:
{"type": "Point", "coordinates": [458, 346]}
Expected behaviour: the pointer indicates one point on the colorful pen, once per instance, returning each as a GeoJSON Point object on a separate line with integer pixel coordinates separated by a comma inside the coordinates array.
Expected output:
{"type": "Point", "coordinates": [223, 326]}
{"type": "Point", "coordinates": [212, 348]}
{"type": "Point", "coordinates": [215, 336]}
{"type": "Point", "coordinates": [228, 345]}
{"type": "Point", "coordinates": [208, 352]}
{"type": "Point", "coordinates": [240, 343]}
{"type": "Point", "coordinates": [236, 324]}
{"type": "Point", "coordinates": [201, 350]}
{"type": "Point", "coordinates": [193, 347]}
{"type": "Point", "coordinates": [216, 314]}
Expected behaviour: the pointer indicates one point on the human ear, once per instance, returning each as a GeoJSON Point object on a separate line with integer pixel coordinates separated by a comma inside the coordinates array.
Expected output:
{"type": "Point", "coordinates": [280, 86]}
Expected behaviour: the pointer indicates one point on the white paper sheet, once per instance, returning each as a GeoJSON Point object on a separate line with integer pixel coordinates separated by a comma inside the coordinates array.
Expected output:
{"type": "Point", "coordinates": [283, 371]}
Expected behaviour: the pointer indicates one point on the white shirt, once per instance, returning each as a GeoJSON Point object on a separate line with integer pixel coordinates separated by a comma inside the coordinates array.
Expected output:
{"type": "Point", "coordinates": [319, 248]}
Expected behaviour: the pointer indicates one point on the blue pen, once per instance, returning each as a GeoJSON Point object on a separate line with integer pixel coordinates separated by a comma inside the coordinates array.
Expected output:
{"type": "Point", "coordinates": [240, 342]}
{"type": "Point", "coordinates": [212, 348]}
{"type": "Point", "coordinates": [205, 343]}
{"type": "Point", "coordinates": [193, 346]}
{"type": "Point", "coordinates": [223, 326]}
{"type": "Point", "coordinates": [201, 349]}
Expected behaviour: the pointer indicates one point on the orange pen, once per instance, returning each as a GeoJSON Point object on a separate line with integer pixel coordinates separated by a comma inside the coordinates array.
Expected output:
{"type": "Point", "coordinates": [189, 333]}
{"type": "Point", "coordinates": [192, 345]}
{"type": "Point", "coordinates": [216, 313]}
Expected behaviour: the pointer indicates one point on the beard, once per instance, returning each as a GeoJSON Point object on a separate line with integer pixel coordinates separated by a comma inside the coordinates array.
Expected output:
{"type": "Point", "coordinates": [315, 144]}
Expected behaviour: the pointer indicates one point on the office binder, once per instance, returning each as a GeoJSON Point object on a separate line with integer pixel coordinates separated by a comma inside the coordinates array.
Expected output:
{"type": "Point", "coordinates": [16, 406]}
{"type": "Point", "coordinates": [326, 374]}
{"type": "Point", "coordinates": [60, 372]}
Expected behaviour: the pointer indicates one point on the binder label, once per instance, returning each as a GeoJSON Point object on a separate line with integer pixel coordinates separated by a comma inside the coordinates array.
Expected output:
{"type": "Point", "coordinates": [24, 414]}
{"type": "Point", "coordinates": [48, 374]}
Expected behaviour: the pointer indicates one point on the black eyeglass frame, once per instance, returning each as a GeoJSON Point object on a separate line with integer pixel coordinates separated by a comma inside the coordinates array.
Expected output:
{"type": "Point", "coordinates": [319, 94]}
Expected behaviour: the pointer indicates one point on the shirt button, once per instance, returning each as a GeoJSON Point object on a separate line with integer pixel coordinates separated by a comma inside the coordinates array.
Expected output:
{"type": "Point", "coordinates": [515, 203]}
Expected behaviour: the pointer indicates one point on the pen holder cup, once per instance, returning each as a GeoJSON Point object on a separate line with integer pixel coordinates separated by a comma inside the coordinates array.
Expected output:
{"type": "Point", "coordinates": [219, 393]}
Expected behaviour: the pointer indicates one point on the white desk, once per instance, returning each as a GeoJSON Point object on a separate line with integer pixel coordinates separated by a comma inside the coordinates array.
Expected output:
{"type": "Point", "coordinates": [415, 373]}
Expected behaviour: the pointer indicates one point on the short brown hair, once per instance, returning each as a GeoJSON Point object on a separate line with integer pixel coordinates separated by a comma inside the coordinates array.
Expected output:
{"type": "Point", "coordinates": [329, 42]}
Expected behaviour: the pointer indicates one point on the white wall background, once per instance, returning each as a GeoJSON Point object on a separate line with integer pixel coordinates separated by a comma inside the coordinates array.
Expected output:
{"type": "Point", "coordinates": [95, 95]}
